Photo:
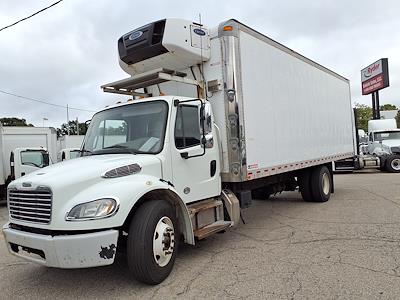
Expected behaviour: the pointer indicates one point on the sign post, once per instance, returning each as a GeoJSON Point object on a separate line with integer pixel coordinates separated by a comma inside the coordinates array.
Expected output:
{"type": "Point", "coordinates": [374, 78]}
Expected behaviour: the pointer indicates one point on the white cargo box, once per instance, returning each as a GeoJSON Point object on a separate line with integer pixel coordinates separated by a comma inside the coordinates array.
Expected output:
{"type": "Point", "coordinates": [277, 111]}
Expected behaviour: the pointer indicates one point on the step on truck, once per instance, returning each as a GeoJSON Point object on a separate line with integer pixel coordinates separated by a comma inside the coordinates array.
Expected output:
{"type": "Point", "coordinates": [217, 116]}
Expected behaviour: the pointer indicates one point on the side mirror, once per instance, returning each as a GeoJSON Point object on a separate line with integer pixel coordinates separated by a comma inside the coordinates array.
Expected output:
{"type": "Point", "coordinates": [206, 125]}
{"type": "Point", "coordinates": [46, 159]}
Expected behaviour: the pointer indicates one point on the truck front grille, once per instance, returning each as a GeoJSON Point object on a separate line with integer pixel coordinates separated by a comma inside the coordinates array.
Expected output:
{"type": "Point", "coordinates": [32, 206]}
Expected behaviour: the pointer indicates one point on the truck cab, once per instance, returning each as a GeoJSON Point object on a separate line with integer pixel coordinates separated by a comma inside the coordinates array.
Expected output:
{"type": "Point", "coordinates": [26, 160]}
{"type": "Point", "coordinates": [68, 153]}
{"type": "Point", "coordinates": [384, 143]}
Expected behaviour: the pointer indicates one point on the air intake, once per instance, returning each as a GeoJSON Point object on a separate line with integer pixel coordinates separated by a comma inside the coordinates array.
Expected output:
{"type": "Point", "coordinates": [122, 171]}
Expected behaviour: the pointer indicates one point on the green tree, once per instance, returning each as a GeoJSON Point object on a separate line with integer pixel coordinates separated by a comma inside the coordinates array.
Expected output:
{"type": "Point", "coordinates": [72, 128]}
{"type": "Point", "coordinates": [388, 107]}
{"type": "Point", "coordinates": [398, 119]}
{"type": "Point", "coordinates": [364, 114]}
{"type": "Point", "coordinates": [13, 121]}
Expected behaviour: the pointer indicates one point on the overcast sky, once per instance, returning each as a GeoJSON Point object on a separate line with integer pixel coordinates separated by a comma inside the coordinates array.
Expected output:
{"type": "Point", "coordinates": [64, 54]}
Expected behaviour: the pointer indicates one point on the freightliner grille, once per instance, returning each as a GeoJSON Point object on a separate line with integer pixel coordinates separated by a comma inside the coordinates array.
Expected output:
{"type": "Point", "coordinates": [30, 205]}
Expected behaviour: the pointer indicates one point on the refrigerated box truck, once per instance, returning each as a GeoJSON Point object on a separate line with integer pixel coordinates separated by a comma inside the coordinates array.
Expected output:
{"type": "Point", "coordinates": [23, 150]}
{"type": "Point", "coordinates": [217, 115]}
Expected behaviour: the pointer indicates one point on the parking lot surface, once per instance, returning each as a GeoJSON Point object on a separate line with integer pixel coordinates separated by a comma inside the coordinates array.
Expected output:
{"type": "Point", "coordinates": [347, 248]}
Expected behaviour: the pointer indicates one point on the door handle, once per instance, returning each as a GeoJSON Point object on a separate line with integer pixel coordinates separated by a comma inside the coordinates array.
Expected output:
{"type": "Point", "coordinates": [213, 167]}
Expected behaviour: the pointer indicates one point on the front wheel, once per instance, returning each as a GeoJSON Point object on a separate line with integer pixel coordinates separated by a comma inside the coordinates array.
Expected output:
{"type": "Point", "coordinates": [393, 163]}
{"type": "Point", "coordinates": [152, 242]}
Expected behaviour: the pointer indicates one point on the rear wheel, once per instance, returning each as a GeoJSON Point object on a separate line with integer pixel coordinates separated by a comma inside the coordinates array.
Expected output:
{"type": "Point", "coordinates": [152, 242]}
{"type": "Point", "coordinates": [393, 163]}
{"type": "Point", "coordinates": [304, 180]}
{"type": "Point", "coordinates": [321, 184]}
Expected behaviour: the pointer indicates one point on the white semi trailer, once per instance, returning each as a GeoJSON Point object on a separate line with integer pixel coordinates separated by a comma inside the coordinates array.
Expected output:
{"type": "Point", "coordinates": [218, 114]}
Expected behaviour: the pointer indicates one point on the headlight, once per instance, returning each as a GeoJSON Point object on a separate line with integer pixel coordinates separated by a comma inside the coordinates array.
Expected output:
{"type": "Point", "coordinates": [97, 209]}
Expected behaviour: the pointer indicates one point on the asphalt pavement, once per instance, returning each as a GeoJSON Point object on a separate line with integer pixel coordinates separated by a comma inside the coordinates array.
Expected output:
{"type": "Point", "coordinates": [347, 248]}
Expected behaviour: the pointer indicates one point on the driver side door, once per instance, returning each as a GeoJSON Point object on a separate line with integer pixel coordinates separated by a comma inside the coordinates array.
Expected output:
{"type": "Point", "coordinates": [198, 176]}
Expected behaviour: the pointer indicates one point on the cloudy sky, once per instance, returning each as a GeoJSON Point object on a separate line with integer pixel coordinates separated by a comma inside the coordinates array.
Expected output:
{"type": "Point", "coordinates": [64, 54]}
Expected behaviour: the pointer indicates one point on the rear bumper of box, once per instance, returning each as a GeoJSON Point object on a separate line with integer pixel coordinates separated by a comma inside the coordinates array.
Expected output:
{"type": "Point", "coordinates": [63, 251]}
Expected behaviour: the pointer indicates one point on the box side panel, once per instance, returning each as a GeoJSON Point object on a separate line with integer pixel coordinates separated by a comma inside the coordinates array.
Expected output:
{"type": "Point", "coordinates": [293, 112]}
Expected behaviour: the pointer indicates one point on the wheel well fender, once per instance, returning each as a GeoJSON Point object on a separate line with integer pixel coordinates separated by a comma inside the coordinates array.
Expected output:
{"type": "Point", "coordinates": [172, 197]}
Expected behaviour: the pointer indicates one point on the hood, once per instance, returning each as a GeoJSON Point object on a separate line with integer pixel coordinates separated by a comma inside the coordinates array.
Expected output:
{"type": "Point", "coordinates": [391, 143]}
{"type": "Point", "coordinates": [89, 169]}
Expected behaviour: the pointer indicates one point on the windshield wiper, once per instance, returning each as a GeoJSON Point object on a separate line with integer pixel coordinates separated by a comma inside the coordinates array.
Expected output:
{"type": "Point", "coordinates": [84, 151]}
{"type": "Point", "coordinates": [116, 146]}
{"type": "Point", "coordinates": [115, 149]}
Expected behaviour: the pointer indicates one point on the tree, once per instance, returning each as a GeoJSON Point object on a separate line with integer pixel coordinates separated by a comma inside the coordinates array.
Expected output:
{"type": "Point", "coordinates": [388, 107]}
{"type": "Point", "coordinates": [364, 114]}
{"type": "Point", "coordinates": [13, 121]}
{"type": "Point", "coordinates": [398, 119]}
{"type": "Point", "coordinates": [72, 129]}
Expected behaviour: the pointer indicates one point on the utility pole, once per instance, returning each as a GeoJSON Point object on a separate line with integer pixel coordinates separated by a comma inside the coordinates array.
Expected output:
{"type": "Point", "coordinates": [67, 120]}
{"type": "Point", "coordinates": [77, 126]}
{"type": "Point", "coordinates": [44, 119]}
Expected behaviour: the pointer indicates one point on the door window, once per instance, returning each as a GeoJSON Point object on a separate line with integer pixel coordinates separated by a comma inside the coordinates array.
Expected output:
{"type": "Point", "coordinates": [187, 127]}
{"type": "Point", "coordinates": [33, 158]}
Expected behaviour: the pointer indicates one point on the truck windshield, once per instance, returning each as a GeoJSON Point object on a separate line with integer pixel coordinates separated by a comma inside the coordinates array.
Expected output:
{"type": "Point", "coordinates": [386, 135]}
{"type": "Point", "coordinates": [134, 128]}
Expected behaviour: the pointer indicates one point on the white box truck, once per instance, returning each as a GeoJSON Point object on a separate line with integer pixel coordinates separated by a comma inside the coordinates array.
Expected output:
{"type": "Point", "coordinates": [23, 150]}
{"type": "Point", "coordinates": [218, 114]}
{"type": "Point", "coordinates": [69, 147]}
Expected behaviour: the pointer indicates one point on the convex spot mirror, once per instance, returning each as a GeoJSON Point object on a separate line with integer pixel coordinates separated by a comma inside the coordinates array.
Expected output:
{"type": "Point", "coordinates": [206, 124]}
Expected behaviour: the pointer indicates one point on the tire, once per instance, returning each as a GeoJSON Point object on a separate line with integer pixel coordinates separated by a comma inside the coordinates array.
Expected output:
{"type": "Point", "coordinates": [154, 225]}
{"type": "Point", "coordinates": [321, 184]}
{"type": "Point", "coordinates": [393, 163]}
{"type": "Point", "coordinates": [304, 180]}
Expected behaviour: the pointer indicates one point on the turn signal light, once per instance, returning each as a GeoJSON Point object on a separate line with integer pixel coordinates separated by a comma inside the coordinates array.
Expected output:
{"type": "Point", "coordinates": [228, 28]}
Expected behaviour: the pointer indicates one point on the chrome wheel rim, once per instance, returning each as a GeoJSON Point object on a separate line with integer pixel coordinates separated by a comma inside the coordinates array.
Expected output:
{"type": "Point", "coordinates": [163, 241]}
{"type": "Point", "coordinates": [326, 184]}
{"type": "Point", "coordinates": [395, 164]}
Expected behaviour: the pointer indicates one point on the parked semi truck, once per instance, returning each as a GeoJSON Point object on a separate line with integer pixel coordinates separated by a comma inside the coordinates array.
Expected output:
{"type": "Point", "coordinates": [383, 146]}
{"type": "Point", "coordinates": [217, 114]}
{"type": "Point", "coordinates": [23, 150]}
{"type": "Point", "coordinates": [379, 149]}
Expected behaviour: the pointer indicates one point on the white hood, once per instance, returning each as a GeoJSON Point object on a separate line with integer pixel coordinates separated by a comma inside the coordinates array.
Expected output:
{"type": "Point", "coordinates": [88, 169]}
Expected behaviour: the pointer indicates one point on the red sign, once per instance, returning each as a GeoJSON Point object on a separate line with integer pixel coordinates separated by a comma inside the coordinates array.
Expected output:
{"type": "Point", "coordinates": [373, 84]}
{"type": "Point", "coordinates": [375, 77]}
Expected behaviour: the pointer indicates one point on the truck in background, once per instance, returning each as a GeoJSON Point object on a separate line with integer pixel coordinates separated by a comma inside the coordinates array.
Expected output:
{"type": "Point", "coordinates": [244, 116]}
{"type": "Point", "coordinates": [384, 144]}
{"type": "Point", "coordinates": [23, 150]}
{"type": "Point", "coordinates": [379, 149]}
{"type": "Point", "coordinates": [69, 147]}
